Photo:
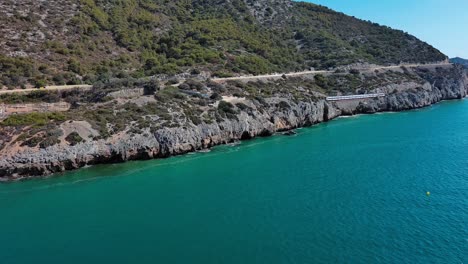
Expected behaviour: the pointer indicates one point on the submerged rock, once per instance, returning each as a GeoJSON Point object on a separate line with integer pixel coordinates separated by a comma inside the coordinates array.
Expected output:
{"type": "Point", "coordinates": [290, 133]}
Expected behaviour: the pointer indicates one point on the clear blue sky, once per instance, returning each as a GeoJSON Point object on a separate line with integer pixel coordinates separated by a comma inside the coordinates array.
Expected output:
{"type": "Point", "coordinates": [441, 23]}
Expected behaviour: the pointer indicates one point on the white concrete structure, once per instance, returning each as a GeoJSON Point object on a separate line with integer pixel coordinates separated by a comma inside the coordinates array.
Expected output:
{"type": "Point", "coordinates": [355, 97]}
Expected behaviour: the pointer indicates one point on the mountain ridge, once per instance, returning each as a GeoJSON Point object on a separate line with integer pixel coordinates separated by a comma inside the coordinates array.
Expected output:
{"type": "Point", "coordinates": [85, 41]}
{"type": "Point", "coordinates": [459, 60]}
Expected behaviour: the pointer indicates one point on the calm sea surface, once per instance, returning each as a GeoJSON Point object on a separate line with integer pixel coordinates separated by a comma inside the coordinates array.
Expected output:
{"type": "Point", "coordinates": [349, 191]}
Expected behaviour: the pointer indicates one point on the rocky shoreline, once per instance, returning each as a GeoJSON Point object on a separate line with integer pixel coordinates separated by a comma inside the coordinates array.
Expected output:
{"type": "Point", "coordinates": [248, 124]}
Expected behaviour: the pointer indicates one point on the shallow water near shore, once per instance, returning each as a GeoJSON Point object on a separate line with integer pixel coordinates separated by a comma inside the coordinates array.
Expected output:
{"type": "Point", "coordinates": [349, 191]}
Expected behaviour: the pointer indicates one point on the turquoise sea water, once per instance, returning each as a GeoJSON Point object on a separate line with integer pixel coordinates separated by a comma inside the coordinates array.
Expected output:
{"type": "Point", "coordinates": [349, 191]}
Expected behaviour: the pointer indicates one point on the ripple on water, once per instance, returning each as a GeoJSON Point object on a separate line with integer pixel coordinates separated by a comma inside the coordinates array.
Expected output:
{"type": "Point", "coordinates": [349, 191]}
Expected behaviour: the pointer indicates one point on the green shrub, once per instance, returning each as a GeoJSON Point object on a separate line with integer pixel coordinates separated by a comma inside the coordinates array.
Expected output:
{"type": "Point", "coordinates": [38, 96]}
{"type": "Point", "coordinates": [32, 142]}
{"type": "Point", "coordinates": [321, 81]}
{"type": "Point", "coordinates": [243, 106]}
{"type": "Point", "coordinates": [354, 71]}
{"type": "Point", "coordinates": [33, 119]}
{"type": "Point", "coordinates": [150, 87]}
{"type": "Point", "coordinates": [227, 109]}
{"type": "Point", "coordinates": [169, 94]}
{"type": "Point", "coordinates": [49, 141]}
{"type": "Point", "coordinates": [74, 138]}
{"type": "Point", "coordinates": [40, 83]}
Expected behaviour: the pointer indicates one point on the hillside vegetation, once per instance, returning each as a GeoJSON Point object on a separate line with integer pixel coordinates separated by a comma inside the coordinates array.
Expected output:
{"type": "Point", "coordinates": [85, 41]}
{"type": "Point", "coordinates": [461, 61]}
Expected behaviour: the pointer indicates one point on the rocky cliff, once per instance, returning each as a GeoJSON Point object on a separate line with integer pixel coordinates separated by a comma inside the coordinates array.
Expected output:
{"type": "Point", "coordinates": [259, 118]}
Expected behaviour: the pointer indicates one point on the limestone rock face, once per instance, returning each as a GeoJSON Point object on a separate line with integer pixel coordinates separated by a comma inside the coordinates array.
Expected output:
{"type": "Point", "coordinates": [261, 121]}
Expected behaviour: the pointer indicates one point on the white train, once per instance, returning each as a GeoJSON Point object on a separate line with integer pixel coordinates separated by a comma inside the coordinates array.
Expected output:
{"type": "Point", "coordinates": [354, 97]}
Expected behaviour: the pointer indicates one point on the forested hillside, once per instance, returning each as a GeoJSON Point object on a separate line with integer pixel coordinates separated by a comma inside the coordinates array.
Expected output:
{"type": "Point", "coordinates": [84, 41]}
